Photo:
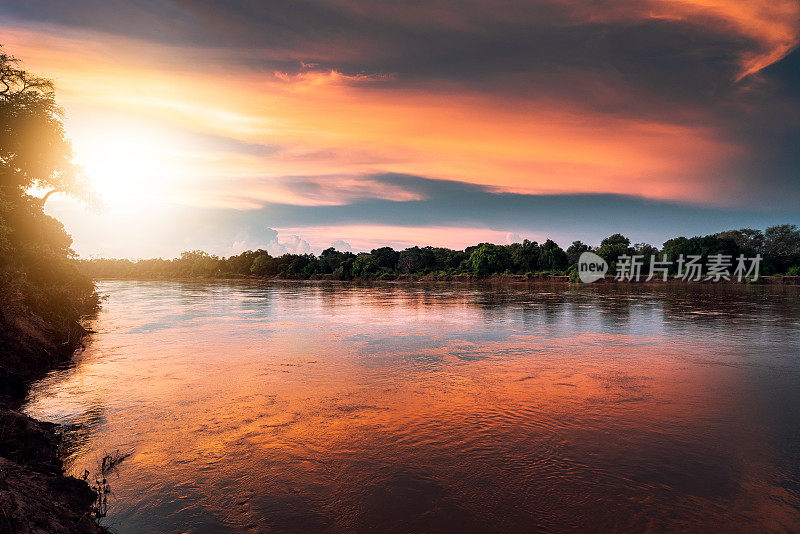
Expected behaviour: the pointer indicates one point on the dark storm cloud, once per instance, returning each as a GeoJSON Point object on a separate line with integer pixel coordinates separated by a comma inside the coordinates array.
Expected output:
{"type": "Point", "coordinates": [653, 65]}
{"type": "Point", "coordinates": [458, 41]}
{"type": "Point", "coordinates": [599, 55]}
{"type": "Point", "coordinates": [454, 40]}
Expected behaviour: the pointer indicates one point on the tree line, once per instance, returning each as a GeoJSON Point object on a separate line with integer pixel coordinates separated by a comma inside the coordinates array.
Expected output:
{"type": "Point", "coordinates": [779, 246]}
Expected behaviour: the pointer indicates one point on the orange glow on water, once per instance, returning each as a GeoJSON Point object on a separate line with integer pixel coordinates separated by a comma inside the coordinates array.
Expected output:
{"type": "Point", "coordinates": [250, 406]}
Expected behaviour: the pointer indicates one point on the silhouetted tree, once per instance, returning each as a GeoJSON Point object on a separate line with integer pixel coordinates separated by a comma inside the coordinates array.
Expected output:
{"type": "Point", "coordinates": [646, 250]}
{"type": "Point", "coordinates": [410, 261]}
{"type": "Point", "coordinates": [37, 272]}
{"type": "Point", "coordinates": [782, 240]}
{"type": "Point", "coordinates": [332, 260]}
{"type": "Point", "coordinates": [575, 250]}
{"type": "Point", "coordinates": [551, 257]}
{"type": "Point", "coordinates": [385, 257]}
{"type": "Point", "coordinates": [34, 151]}
{"type": "Point", "coordinates": [748, 240]}
{"type": "Point", "coordinates": [524, 256]}
{"type": "Point", "coordinates": [613, 247]}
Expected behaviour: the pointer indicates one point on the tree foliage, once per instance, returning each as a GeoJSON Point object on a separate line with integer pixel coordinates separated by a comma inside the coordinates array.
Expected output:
{"type": "Point", "coordinates": [37, 271]}
{"type": "Point", "coordinates": [484, 259]}
{"type": "Point", "coordinates": [34, 150]}
{"type": "Point", "coordinates": [575, 250]}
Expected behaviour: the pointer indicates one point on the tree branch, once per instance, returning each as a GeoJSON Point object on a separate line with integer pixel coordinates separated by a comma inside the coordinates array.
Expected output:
{"type": "Point", "coordinates": [47, 195]}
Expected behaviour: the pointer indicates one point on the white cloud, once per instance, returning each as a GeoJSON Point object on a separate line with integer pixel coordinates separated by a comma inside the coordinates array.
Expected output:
{"type": "Point", "coordinates": [513, 238]}
{"type": "Point", "coordinates": [342, 246]}
{"type": "Point", "coordinates": [237, 248]}
{"type": "Point", "coordinates": [292, 244]}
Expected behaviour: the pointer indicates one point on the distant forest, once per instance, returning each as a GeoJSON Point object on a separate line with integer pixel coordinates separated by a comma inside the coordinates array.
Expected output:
{"type": "Point", "coordinates": [779, 247]}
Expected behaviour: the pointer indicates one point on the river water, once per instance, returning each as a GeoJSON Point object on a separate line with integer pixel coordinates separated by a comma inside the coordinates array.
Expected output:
{"type": "Point", "coordinates": [315, 407]}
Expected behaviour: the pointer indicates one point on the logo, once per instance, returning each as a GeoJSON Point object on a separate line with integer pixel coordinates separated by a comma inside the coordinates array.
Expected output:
{"type": "Point", "coordinates": [591, 267]}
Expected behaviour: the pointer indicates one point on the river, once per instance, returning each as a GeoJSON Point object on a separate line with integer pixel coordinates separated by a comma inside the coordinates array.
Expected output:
{"type": "Point", "coordinates": [308, 407]}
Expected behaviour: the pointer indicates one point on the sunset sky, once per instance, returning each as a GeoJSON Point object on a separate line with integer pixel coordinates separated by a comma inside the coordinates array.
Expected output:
{"type": "Point", "coordinates": [295, 125]}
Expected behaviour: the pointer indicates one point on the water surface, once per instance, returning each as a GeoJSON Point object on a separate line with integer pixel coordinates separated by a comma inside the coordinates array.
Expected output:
{"type": "Point", "coordinates": [312, 407]}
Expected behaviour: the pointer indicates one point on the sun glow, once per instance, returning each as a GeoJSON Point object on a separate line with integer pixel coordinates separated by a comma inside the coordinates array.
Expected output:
{"type": "Point", "coordinates": [127, 166]}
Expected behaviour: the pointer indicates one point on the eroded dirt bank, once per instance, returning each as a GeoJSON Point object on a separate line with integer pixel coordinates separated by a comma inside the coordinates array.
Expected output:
{"type": "Point", "coordinates": [35, 494]}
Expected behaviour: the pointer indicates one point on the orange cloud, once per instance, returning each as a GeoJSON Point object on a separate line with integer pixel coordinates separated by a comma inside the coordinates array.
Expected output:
{"type": "Point", "coordinates": [328, 124]}
{"type": "Point", "coordinates": [773, 25]}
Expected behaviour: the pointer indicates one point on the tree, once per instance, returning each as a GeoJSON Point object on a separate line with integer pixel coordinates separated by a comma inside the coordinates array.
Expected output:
{"type": "Point", "coordinates": [198, 262]}
{"type": "Point", "coordinates": [298, 265]}
{"type": "Point", "coordinates": [782, 240]}
{"type": "Point", "coordinates": [613, 247]}
{"type": "Point", "coordinates": [551, 257]}
{"type": "Point", "coordinates": [524, 256]}
{"type": "Point", "coordinates": [240, 264]}
{"type": "Point", "coordinates": [575, 250]}
{"type": "Point", "coordinates": [34, 150]}
{"type": "Point", "coordinates": [365, 264]}
{"type": "Point", "coordinates": [410, 261]}
{"type": "Point", "coordinates": [332, 260]}
{"type": "Point", "coordinates": [445, 260]}
{"type": "Point", "coordinates": [36, 261]}
{"type": "Point", "coordinates": [646, 250]}
{"type": "Point", "coordinates": [345, 270]}
{"type": "Point", "coordinates": [263, 265]}
{"type": "Point", "coordinates": [703, 246]}
{"type": "Point", "coordinates": [749, 240]}
{"type": "Point", "coordinates": [386, 257]}
{"type": "Point", "coordinates": [489, 259]}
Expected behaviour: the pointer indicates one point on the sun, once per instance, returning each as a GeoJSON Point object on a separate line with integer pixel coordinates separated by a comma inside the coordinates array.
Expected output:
{"type": "Point", "coordinates": [127, 166]}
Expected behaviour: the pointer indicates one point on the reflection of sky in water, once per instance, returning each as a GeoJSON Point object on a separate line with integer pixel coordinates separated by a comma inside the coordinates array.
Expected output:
{"type": "Point", "coordinates": [308, 406]}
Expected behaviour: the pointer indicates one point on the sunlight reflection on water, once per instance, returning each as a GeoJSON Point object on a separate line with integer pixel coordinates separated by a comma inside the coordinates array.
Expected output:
{"type": "Point", "coordinates": [306, 407]}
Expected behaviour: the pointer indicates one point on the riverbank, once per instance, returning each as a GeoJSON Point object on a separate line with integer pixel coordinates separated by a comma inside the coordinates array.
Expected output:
{"type": "Point", "coordinates": [35, 493]}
